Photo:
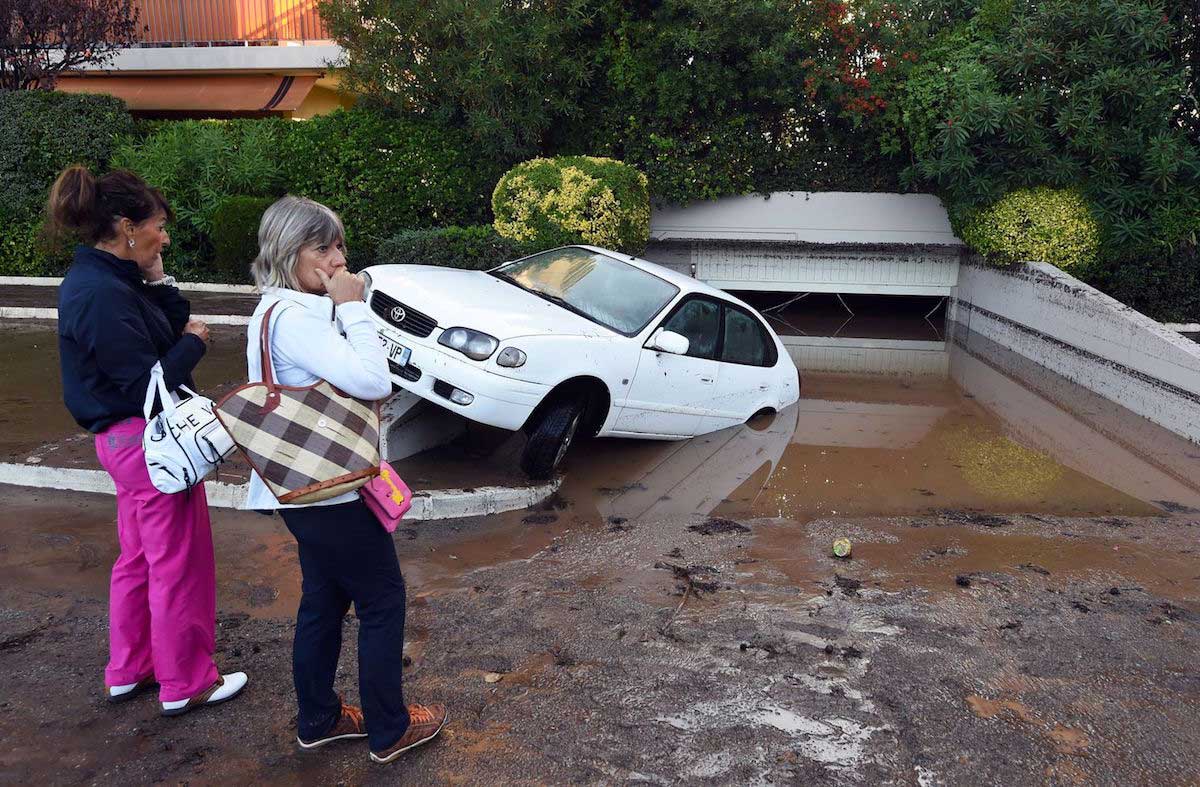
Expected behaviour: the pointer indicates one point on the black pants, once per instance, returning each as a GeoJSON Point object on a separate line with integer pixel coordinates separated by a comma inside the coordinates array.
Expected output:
{"type": "Point", "coordinates": [346, 555]}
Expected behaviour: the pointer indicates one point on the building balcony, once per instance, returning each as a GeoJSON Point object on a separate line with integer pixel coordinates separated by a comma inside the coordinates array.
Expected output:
{"type": "Point", "coordinates": [170, 23]}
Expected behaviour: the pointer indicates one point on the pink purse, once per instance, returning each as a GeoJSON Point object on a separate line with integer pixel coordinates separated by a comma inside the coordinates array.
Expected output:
{"type": "Point", "coordinates": [388, 497]}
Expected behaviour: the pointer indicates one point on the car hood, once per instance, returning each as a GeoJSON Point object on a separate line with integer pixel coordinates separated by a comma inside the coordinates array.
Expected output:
{"type": "Point", "coordinates": [474, 299]}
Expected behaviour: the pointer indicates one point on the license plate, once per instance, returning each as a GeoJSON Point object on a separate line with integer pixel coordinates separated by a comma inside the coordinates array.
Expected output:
{"type": "Point", "coordinates": [397, 353]}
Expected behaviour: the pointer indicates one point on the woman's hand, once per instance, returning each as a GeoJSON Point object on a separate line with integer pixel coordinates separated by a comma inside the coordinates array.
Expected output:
{"type": "Point", "coordinates": [197, 328]}
{"type": "Point", "coordinates": [153, 270]}
{"type": "Point", "coordinates": [343, 286]}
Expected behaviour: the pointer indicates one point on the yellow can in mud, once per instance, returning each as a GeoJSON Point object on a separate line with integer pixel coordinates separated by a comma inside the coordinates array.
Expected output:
{"type": "Point", "coordinates": [841, 548]}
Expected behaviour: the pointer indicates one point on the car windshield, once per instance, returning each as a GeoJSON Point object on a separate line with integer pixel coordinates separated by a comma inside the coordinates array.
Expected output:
{"type": "Point", "coordinates": [601, 288]}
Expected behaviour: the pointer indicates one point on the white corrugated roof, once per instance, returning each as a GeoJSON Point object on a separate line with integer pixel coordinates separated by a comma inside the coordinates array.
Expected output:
{"type": "Point", "coordinates": [810, 217]}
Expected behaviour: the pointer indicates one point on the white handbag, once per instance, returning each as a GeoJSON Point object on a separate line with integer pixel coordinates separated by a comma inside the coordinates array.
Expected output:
{"type": "Point", "coordinates": [183, 443]}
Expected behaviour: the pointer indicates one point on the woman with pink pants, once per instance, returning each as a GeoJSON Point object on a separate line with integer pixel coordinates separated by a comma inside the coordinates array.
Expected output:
{"type": "Point", "coordinates": [118, 317]}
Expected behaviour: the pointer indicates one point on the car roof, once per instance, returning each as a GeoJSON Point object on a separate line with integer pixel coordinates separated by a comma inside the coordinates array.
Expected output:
{"type": "Point", "coordinates": [684, 283]}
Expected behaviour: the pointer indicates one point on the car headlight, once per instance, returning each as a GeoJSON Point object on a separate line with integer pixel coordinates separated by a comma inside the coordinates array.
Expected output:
{"type": "Point", "coordinates": [511, 357]}
{"type": "Point", "coordinates": [473, 344]}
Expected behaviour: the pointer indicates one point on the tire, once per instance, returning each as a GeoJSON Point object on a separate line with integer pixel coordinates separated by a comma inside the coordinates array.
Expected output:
{"type": "Point", "coordinates": [550, 437]}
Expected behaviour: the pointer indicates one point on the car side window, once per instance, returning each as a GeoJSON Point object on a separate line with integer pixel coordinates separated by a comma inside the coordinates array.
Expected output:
{"type": "Point", "coordinates": [700, 321]}
{"type": "Point", "coordinates": [745, 340]}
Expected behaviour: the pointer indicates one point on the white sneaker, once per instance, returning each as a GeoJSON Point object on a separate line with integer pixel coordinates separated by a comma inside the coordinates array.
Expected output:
{"type": "Point", "coordinates": [226, 688]}
{"type": "Point", "coordinates": [129, 690]}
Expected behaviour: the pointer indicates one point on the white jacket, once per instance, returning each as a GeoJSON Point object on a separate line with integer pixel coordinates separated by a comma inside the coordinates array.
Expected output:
{"type": "Point", "coordinates": [307, 345]}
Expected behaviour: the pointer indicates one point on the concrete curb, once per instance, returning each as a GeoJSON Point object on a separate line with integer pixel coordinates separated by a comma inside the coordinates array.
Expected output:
{"type": "Point", "coordinates": [42, 313]}
{"type": "Point", "coordinates": [53, 281]}
{"type": "Point", "coordinates": [430, 505]}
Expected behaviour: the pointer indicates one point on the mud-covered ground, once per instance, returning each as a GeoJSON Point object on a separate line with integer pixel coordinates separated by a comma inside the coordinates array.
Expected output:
{"type": "Point", "coordinates": [952, 648]}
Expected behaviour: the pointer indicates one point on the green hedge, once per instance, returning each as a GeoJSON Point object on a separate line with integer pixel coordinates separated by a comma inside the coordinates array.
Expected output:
{"type": "Point", "coordinates": [574, 199]}
{"type": "Point", "coordinates": [40, 134]}
{"type": "Point", "coordinates": [476, 248]}
{"type": "Point", "coordinates": [382, 173]}
{"type": "Point", "coordinates": [235, 236]}
{"type": "Point", "coordinates": [1043, 224]}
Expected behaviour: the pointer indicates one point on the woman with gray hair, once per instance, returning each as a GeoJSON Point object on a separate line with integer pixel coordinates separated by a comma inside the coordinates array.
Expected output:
{"type": "Point", "coordinates": [322, 329]}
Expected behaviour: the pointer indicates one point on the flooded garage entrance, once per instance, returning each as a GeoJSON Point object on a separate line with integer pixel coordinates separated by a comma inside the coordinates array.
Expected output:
{"type": "Point", "coordinates": [897, 416]}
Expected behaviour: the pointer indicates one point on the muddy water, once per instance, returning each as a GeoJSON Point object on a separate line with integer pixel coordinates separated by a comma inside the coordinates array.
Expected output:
{"type": "Point", "coordinates": [33, 421]}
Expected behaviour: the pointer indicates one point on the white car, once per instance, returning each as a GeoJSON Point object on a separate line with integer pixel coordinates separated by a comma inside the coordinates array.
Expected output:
{"type": "Point", "coordinates": [579, 340]}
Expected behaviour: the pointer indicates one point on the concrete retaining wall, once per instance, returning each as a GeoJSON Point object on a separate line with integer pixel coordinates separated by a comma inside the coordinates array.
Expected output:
{"type": "Point", "coordinates": [1056, 320]}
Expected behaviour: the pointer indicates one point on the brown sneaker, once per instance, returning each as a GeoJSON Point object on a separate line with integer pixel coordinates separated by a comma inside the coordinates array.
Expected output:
{"type": "Point", "coordinates": [425, 722]}
{"type": "Point", "coordinates": [349, 725]}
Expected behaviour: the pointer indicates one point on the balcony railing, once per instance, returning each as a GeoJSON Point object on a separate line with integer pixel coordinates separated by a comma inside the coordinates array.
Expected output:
{"type": "Point", "coordinates": [229, 22]}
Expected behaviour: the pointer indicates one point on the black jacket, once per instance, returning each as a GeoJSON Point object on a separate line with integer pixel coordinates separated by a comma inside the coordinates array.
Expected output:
{"type": "Point", "coordinates": [112, 328]}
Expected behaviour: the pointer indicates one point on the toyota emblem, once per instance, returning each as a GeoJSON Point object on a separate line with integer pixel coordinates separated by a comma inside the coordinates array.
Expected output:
{"type": "Point", "coordinates": [398, 314]}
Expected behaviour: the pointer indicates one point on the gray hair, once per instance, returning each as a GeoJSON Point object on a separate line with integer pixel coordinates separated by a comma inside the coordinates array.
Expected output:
{"type": "Point", "coordinates": [289, 225]}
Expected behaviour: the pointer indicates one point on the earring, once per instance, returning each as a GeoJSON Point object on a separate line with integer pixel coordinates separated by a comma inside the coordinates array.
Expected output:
{"type": "Point", "coordinates": [131, 243]}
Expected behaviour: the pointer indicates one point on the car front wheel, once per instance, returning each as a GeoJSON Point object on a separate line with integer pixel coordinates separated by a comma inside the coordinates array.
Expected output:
{"type": "Point", "coordinates": [550, 437]}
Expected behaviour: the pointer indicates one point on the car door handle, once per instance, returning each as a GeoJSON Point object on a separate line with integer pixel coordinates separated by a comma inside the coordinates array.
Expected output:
{"type": "Point", "coordinates": [706, 380]}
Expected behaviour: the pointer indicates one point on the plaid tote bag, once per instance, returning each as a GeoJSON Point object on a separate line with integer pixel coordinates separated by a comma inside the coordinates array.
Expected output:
{"type": "Point", "coordinates": [307, 443]}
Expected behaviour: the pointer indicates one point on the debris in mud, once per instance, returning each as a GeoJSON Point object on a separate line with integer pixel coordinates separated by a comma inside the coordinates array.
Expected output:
{"type": "Point", "coordinates": [973, 518]}
{"type": "Point", "coordinates": [1011, 625]}
{"type": "Point", "coordinates": [842, 548]}
{"type": "Point", "coordinates": [1035, 568]}
{"type": "Point", "coordinates": [1080, 606]}
{"type": "Point", "coordinates": [540, 519]}
{"type": "Point", "coordinates": [1175, 508]}
{"type": "Point", "coordinates": [1115, 521]}
{"type": "Point", "coordinates": [943, 551]}
{"type": "Point", "coordinates": [846, 652]}
{"type": "Point", "coordinates": [689, 585]}
{"type": "Point", "coordinates": [493, 677]}
{"type": "Point", "coordinates": [716, 525]}
{"type": "Point", "coordinates": [963, 580]}
{"type": "Point", "coordinates": [22, 639]}
{"type": "Point", "coordinates": [849, 585]}
{"type": "Point", "coordinates": [676, 552]}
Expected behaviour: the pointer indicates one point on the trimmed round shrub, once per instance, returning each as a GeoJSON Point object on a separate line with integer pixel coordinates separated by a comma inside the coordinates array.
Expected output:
{"type": "Point", "coordinates": [235, 235]}
{"type": "Point", "coordinates": [574, 199]}
{"type": "Point", "coordinates": [477, 247]}
{"type": "Point", "coordinates": [1039, 224]}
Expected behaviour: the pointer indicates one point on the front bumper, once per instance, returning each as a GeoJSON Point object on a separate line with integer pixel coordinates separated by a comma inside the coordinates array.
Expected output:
{"type": "Point", "coordinates": [499, 401]}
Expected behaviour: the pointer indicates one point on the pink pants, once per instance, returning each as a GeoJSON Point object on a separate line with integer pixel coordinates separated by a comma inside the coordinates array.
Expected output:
{"type": "Point", "coordinates": [163, 598]}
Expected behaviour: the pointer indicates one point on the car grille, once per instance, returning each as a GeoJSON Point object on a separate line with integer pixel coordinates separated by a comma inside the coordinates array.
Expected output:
{"type": "Point", "coordinates": [409, 372]}
{"type": "Point", "coordinates": [413, 321]}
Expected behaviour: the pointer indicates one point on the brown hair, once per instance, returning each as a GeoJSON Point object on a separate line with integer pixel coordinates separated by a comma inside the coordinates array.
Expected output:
{"type": "Point", "coordinates": [86, 206]}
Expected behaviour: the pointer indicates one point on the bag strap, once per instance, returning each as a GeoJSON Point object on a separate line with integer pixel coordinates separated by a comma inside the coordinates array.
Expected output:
{"type": "Point", "coordinates": [158, 385]}
{"type": "Point", "coordinates": [264, 349]}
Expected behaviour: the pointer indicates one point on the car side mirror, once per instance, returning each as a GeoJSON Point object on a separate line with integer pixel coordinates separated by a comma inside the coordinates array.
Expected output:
{"type": "Point", "coordinates": [670, 342]}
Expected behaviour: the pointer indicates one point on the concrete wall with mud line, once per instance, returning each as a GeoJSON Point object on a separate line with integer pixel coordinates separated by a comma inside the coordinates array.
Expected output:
{"type": "Point", "coordinates": [1052, 318]}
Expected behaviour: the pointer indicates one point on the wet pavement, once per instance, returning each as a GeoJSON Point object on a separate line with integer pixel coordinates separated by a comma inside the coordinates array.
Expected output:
{"type": "Point", "coordinates": [1022, 602]}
